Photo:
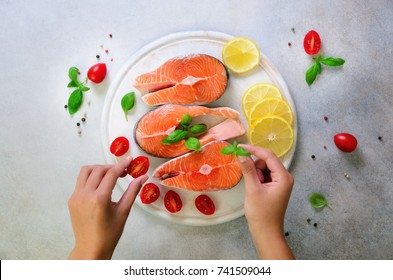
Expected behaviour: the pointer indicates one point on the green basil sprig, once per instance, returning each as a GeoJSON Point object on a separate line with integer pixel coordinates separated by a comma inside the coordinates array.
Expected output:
{"type": "Point", "coordinates": [235, 150]}
{"type": "Point", "coordinates": [316, 68]}
{"type": "Point", "coordinates": [318, 200]}
{"type": "Point", "coordinates": [76, 97]}
{"type": "Point", "coordinates": [183, 132]}
{"type": "Point", "coordinates": [128, 102]}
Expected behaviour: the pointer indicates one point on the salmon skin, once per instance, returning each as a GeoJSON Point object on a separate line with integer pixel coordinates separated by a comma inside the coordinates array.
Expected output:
{"type": "Point", "coordinates": [194, 79]}
{"type": "Point", "coordinates": [157, 124]}
{"type": "Point", "coordinates": [207, 170]}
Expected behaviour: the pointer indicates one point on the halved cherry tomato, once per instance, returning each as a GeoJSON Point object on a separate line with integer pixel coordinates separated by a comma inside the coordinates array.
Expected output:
{"type": "Point", "coordinates": [345, 142]}
{"type": "Point", "coordinates": [312, 42]}
{"type": "Point", "coordinates": [149, 193]}
{"type": "Point", "coordinates": [120, 146]}
{"type": "Point", "coordinates": [138, 166]}
{"type": "Point", "coordinates": [205, 204]}
{"type": "Point", "coordinates": [97, 73]}
{"type": "Point", "coordinates": [172, 202]}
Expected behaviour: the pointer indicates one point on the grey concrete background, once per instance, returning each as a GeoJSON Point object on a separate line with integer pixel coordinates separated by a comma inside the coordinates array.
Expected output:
{"type": "Point", "coordinates": [41, 152]}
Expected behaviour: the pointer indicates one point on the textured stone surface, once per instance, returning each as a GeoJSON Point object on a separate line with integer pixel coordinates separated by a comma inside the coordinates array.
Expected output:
{"type": "Point", "coordinates": [41, 152]}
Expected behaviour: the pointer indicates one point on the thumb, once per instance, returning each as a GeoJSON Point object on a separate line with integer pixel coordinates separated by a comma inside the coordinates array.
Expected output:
{"type": "Point", "coordinates": [249, 171]}
{"type": "Point", "coordinates": [128, 198]}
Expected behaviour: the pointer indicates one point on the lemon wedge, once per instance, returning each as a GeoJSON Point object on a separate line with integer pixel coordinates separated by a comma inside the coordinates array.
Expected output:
{"type": "Point", "coordinates": [271, 106]}
{"type": "Point", "coordinates": [272, 132]}
{"type": "Point", "coordinates": [256, 93]}
{"type": "Point", "coordinates": [240, 55]}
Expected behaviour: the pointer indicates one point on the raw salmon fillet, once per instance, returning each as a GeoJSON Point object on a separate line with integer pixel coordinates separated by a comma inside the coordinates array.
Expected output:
{"type": "Point", "coordinates": [157, 124]}
{"type": "Point", "coordinates": [207, 170]}
{"type": "Point", "coordinates": [194, 79]}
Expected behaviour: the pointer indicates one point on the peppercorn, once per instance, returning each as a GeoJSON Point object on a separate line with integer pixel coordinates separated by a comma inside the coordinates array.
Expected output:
{"type": "Point", "coordinates": [83, 120]}
{"type": "Point", "coordinates": [110, 35]}
{"type": "Point", "coordinates": [380, 138]}
{"type": "Point", "coordinates": [106, 50]}
{"type": "Point", "coordinates": [78, 124]}
{"type": "Point", "coordinates": [315, 224]}
{"type": "Point", "coordinates": [289, 44]}
{"type": "Point", "coordinates": [325, 147]}
{"type": "Point", "coordinates": [313, 156]}
{"type": "Point", "coordinates": [293, 29]}
{"type": "Point", "coordinates": [286, 233]}
{"type": "Point", "coordinates": [308, 220]}
{"type": "Point", "coordinates": [66, 106]}
{"type": "Point", "coordinates": [97, 56]}
{"type": "Point", "coordinates": [325, 118]}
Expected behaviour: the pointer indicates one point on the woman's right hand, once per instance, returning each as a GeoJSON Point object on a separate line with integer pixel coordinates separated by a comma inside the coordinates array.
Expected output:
{"type": "Point", "coordinates": [268, 188]}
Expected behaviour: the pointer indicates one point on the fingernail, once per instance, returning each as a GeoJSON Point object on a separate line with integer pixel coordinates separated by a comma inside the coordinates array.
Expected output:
{"type": "Point", "coordinates": [144, 179]}
{"type": "Point", "coordinates": [242, 159]}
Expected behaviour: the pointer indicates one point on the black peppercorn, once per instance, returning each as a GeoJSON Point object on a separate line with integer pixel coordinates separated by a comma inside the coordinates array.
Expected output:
{"type": "Point", "coordinates": [313, 156]}
{"type": "Point", "coordinates": [97, 56]}
{"type": "Point", "coordinates": [315, 224]}
{"type": "Point", "coordinates": [83, 119]}
{"type": "Point", "coordinates": [286, 233]}
{"type": "Point", "coordinates": [78, 124]}
{"type": "Point", "coordinates": [66, 106]}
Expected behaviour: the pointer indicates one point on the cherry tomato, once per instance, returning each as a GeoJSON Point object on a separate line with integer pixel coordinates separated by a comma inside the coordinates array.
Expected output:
{"type": "Point", "coordinates": [138, 166]}
{"type": "Point", "coordinates": [149, 193]}
{"type": "Point", "coordinates": [312, 42]}
{"type": "Point", "coordinates": [97, 73]}
{"type": "Point", "coordinates": [172, 202]}
{"type": "Point", "coordinates": [345, 142]}
{"type": "Point", "coordinates": [120, 146]}
{"type": "Point", "coordinates": [205, 204]}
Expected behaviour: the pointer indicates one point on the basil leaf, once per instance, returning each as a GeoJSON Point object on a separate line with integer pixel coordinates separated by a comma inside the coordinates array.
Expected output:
{"type": "Point", "coordinates": [318, 200]}
{"type": "Point", "coordinates": [186, 120]}
{"type": "Point", "coordinates": [198, 128]}
{"type": "Point", "coordinates": [319, 68]}
{"type": "Point", "coordinates": [228, 150]}
{"type": "Point", "coordinates": [331, 61]}
{"type": "Point", "coordinates": [174, 137]}
{"type": "Point", "coordinates": [72, 84]}
{"type": "Point", "coordinates": [240, 151]}
{"type": "Point", "coordinates": [311, 74]}
{"type": "Point", "coordinates": [128, 102]}
{"type": "Point", "coordinates": [193, 143]}
{"type": "Point", "coordinates": [73, 73]}
{"type": "Point", "coordinates": [82, 87]}
{"type": "Point", "coordinates": [75, 101]}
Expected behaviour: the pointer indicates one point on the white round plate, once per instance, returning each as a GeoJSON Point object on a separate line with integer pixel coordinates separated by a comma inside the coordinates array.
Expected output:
{"type": "Point", "coordinates": [229, 203]}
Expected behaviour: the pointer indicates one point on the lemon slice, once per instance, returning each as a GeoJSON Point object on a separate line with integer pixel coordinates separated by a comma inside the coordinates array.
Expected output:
{"type": "Point", "coordinates": [271, 106]}
{"type": "Point", "coordinates": [240, 55]}
{"type": "Point", "coordinates": [273, 133]}
{"type": "Point", "coordinates": [257, 92]}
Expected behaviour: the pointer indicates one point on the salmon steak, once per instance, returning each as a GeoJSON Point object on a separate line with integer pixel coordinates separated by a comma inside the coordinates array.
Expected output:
{"type": "Point", "coordinates": [194, 79]}
{"type": "Point", "coordinates": [222, 124]}
{"type": "Point", "coordinates": [207, 170]}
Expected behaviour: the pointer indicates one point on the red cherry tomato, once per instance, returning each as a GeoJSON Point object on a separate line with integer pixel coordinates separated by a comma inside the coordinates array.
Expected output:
{"type": "Point", "coordinates": [97, 73]}
{"type": "Point", "coordinates": [172, 202]}
{"type": "Point", "coordinates": [138, 166]}
{"type": "Point", "coordinates": [345, 142]}
{"type": "Point", "coordinates": [149, 193]}
{"type": "Point", "coordinates": [205, 204]}
{"type": "Point", "coordinates": [312, 42]}
{"type": "Point", "coordinates": [120, 146]}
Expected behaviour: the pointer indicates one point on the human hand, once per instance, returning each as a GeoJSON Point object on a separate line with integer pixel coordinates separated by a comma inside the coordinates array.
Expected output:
{"type": "Point", "coordinates": [268, 188]}
{"type": "Point", "coordinates": [97, 221]}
